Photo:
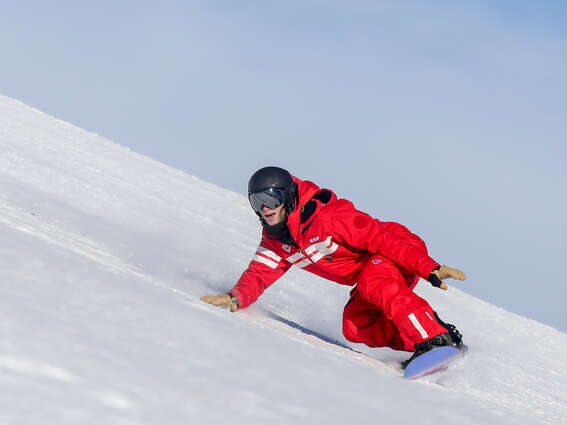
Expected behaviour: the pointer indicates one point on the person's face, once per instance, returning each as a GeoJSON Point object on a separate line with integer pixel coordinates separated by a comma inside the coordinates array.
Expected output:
{"type": "Point", "coordinates": [274, 216]}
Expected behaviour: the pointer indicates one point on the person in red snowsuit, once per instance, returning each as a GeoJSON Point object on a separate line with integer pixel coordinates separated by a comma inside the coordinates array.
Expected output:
{"type": "Point", "coordinates": [309, 227]}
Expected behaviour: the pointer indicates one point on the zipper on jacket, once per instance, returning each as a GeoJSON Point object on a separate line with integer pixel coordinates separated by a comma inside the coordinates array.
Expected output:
{"type": "Point", "coordinates": [301, 249]}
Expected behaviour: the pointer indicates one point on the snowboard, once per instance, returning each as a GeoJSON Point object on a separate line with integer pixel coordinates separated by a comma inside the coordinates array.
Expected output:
{"type": "Point", "coordinates": [433, 361]}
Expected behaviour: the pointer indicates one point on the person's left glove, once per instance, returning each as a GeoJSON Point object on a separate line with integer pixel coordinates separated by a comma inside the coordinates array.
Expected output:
{"type": "Point", "coordinates": [226, 301]}
{"type": "Point", "coordinates": [438, 274]}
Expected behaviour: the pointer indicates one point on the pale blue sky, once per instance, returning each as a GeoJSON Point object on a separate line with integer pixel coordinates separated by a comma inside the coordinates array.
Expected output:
{"type": "Point", "coordinates": [446, 116]}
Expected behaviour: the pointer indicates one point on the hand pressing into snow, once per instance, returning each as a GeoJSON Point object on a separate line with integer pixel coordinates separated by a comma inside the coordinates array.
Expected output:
{"type": "Point", "coordinates": [226, 301]}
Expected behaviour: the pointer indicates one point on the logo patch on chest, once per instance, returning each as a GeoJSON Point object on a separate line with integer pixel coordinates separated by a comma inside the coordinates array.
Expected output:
{"type": "Point", "coordinates": [286, 248]}
{"type": "Point", "coordinates": [315, 239]}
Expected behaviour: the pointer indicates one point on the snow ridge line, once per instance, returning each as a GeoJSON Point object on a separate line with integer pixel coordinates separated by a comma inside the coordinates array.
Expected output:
{"type": "Point", "coordinates": [297, 333]}
{"type": "Point", "coordinates": [31, 224]}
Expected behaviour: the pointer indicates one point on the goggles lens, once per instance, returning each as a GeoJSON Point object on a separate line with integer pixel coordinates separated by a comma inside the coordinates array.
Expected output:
{"type": "Point", "coordinates": [270, 198]}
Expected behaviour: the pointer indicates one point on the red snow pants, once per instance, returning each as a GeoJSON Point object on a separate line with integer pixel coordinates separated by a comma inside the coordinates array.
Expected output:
{"type": "Point", "coordinates": [383, 310]}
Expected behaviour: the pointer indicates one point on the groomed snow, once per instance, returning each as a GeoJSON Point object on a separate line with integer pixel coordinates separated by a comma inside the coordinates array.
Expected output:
{"type": "Point", "coordinates": [104, 256]}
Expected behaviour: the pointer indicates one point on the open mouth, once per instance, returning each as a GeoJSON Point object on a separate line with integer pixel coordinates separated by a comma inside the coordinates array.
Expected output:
{"type": "Point", "coordinates": [269, 215]}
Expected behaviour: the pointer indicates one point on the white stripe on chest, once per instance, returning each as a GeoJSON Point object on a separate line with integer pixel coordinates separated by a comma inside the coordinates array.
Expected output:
{"type": "Point", "coordinates": [314, 253]}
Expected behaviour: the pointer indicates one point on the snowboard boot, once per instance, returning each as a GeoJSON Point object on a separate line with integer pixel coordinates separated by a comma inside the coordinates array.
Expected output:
{"type": "Point", "coordinates": [451, 338]}
{"type": "Point", "coordinates": [456, 336]}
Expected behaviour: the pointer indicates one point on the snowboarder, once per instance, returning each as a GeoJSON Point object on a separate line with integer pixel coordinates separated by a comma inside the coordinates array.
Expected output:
{"type": "Point", "coordinates": [309, 227]}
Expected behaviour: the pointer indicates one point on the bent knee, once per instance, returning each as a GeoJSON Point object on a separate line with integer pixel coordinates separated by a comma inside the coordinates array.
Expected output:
{"type": "Point", "coordinates": [384, 276]}
{"type": "Point", "coordinates": [350, 331]}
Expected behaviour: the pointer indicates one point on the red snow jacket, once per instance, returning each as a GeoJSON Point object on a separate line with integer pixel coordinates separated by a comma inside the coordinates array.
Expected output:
{"type": "Point", "coordinates": [332, 239]}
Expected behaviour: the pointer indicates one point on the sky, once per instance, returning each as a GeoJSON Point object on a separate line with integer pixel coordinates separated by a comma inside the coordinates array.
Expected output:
{"type": "Point", "coordinates": [445, 116]}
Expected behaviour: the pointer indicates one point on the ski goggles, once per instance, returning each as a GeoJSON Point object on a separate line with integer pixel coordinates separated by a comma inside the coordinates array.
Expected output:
{"type": "Point", "coordinates": [270, 198]}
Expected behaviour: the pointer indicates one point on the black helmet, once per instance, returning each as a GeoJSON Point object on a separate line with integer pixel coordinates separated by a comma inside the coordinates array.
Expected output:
{"type": "Point", "coordinates": [270, 179]}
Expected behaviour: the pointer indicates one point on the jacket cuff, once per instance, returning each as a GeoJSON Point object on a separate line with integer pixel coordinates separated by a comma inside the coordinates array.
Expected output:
{"type": "Point", "coordinates": [234, 300]}
{"type": "Point", "coordinates": [427, 267]}
{"type": "Point", "coordinates": [235, 295]}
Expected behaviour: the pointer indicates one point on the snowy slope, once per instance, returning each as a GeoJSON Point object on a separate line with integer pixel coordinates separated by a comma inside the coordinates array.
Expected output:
{"type": "Point", "coordinates": [104, 256]}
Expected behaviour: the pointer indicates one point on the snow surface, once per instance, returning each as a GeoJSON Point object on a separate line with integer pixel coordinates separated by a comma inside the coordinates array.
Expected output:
{"type": "Point", "coordinates": [104, 256]}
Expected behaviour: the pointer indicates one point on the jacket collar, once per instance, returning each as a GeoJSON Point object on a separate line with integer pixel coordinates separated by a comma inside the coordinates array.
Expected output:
{"type": "Point", "coordinates": [310, 199]}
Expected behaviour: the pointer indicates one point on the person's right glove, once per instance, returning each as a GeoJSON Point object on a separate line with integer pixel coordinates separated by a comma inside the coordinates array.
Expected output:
{"type": "Point", "coordinates": [438, 274]}
{"type": "Point", "coordinates": [226, 301]}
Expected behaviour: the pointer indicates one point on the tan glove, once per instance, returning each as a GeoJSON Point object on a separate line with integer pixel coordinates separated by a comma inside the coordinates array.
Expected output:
{"type": "Point", "coordinates": [226, 301]}
{"type": "Point", "coordinates": [444, 272]}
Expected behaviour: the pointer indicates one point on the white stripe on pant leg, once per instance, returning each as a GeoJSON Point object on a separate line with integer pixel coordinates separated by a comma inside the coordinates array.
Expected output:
{"type": "Point", "coordinates": [418, 326]}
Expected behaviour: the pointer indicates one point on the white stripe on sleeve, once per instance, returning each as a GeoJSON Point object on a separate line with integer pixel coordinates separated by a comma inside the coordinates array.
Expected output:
{"type": "Point", "coordinates": [268, 262]}
{"type": "Point", "coordinates": [295, 257]}
{"type": "Point", "coordinates": [268, 253]}
{"type": "Point", "coordinates": [304, 263]}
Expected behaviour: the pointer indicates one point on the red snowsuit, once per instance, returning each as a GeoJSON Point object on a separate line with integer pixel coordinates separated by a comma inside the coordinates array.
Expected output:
{"type": "Point", "coordinates": [336, 241]}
